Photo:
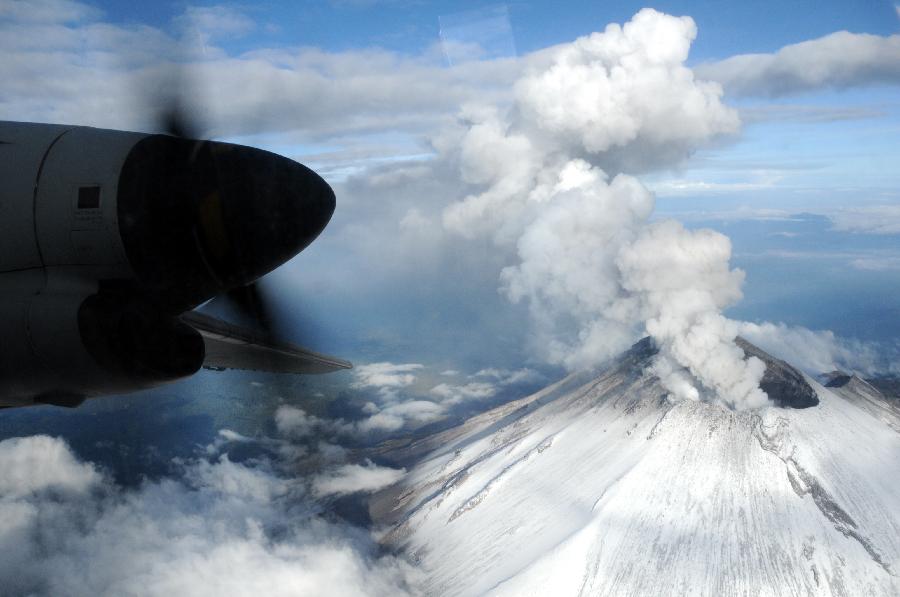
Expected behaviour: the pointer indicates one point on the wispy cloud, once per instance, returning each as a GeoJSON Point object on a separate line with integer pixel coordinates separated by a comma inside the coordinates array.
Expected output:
{"type": "Point", "coordinates": [873, 219]}
{"type": "Point", "coordinates": [84, 70]}
{"type": "Point", "coordinates": [206, 23]}
{"type": "Point", "coordinates": [397, 415]}
{"type": "Point", "coordinates": [837, 60]}
{"type": "Point", "coordinates": [455, 394]}
{"type": "Point", "coordinates": [385, 376]}
{"type": "Point", "coordinates": [877, 264]}
{"type": "Point", "coordinates": [682, 187]}
{"type": "Point", "coordinates": [821, 351]}
{"type": "Point", "coordinates": [809, 114]}
{"type": "Point", "coordinates": [48, 11]}
{"type": "Point", "coordinates": [355, 478]}
{"type": "Point", "coordinates": [741, 213]}
{"type": "Point", "coordinates": [507, 377]}
{"type": "Point", "coordinates": [294, 422]}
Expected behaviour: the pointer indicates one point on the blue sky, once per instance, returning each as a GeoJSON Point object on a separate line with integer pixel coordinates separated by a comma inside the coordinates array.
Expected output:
{"type": "Point", "coordinates": [411, 26]}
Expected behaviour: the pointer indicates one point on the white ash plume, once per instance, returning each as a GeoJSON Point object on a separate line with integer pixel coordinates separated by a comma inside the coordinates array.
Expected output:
{"type": "Point", "coordinates": [549, 180]}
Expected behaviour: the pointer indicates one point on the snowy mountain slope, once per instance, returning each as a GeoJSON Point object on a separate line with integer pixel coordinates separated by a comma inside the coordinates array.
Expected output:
{"type": "Point", "coordinates": [866, 396]}
{"type": "Point", "coordinates": [605, 488]}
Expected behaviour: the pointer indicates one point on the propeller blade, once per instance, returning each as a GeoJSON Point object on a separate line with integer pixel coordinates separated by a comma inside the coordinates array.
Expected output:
{"type": "Point", "coordinates": [174, 116]}
{"type": "Point", "coordinates": [254, 305]}
{"type": "Point", "coordinates": [178, 117]}
{"type": "Point", "coordinates": [175, 121]}
{"type": "Point", "coordinates": [250, 301]}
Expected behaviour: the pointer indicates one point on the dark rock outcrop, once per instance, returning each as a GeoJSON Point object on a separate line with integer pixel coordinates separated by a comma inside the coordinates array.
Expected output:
{"type": "Point", "coordinates": [836, 379]}
{"type": "Point", "coordinates": [783, 383]}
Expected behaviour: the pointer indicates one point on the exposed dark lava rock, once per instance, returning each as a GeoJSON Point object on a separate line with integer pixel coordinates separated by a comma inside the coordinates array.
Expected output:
{"type": "Point", "coordinates": [837, 379]}
{"type": "Point", "coordinates": [785, 385]}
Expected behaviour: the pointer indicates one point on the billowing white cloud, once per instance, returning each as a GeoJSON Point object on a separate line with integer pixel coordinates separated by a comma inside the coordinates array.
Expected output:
{"type": "Point", "coordinates": [218, 528]}
{"type": "Point", "coordinates": [838, 60]}
{"type": "Point", "coordinates": [626, 87]}
{"type": "Point", "coordinates": [616, 100]}
{"type": "Point", "coordinates": [41, 463]}
{"type": "Point", "coordinates": [355, 478]}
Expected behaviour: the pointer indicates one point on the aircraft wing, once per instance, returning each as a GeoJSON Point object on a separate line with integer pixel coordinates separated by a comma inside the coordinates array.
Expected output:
{"type": "Point", "coordinates": [229, 346]}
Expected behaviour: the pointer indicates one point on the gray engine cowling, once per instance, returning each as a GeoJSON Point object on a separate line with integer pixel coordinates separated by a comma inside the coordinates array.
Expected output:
{"type": "Point", "coordinates": [78, 347]}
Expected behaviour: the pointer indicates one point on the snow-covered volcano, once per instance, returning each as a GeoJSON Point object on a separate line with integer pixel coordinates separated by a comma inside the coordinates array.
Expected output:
{"type": "Point", "coordinates": [598, 485]}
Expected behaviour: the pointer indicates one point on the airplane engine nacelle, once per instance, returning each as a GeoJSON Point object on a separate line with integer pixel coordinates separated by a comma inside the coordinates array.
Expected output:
{"type": "Point", "coordinates": [80, 347]}
{"type": "Point", "coordinates": [181, 220]}
{"type": "Point", "coordinates": [108, 237]}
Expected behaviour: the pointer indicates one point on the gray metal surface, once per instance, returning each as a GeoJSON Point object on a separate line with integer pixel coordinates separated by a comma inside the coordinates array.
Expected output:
{"type": "Point", "coordinates": [232, 347]}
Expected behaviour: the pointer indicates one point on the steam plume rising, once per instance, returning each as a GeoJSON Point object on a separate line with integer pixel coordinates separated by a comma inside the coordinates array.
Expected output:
{"type": "Point", "coordinates": [549, 174]}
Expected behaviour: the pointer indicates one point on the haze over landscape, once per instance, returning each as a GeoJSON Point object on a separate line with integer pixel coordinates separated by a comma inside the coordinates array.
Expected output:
{"type": "Point", "coordinates": [524, 192]}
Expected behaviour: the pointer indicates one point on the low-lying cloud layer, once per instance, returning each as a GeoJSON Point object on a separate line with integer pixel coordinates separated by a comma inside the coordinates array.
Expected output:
{"type": "Point", "coordinates": [397, 404]}
{"type": "Point", "coordinates": [393, 398]}
{"type": "Point", "coordinates": [217, 528]}
{"type": "Point", "coordinates": [872, 219]}
{"type": "Point", "coordinates": [387, 377]}
{"type": "Point", "coordinates": [353, 478]}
